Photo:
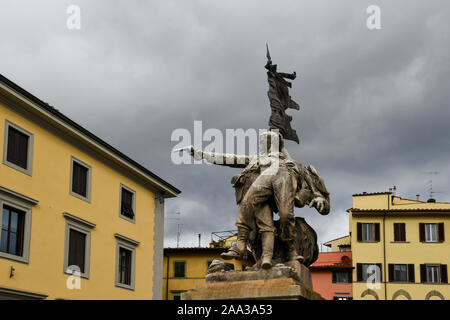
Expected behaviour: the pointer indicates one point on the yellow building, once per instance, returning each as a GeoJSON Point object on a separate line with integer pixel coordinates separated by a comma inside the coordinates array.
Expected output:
{"type": "Point", "coordinates": [399, 247]}
{"type": "Point", "coordinates": [341, 244]}
{"type": "Point", "coordinates": [186, 267]}
{"type": "Point", "coordinates": [79, 219]}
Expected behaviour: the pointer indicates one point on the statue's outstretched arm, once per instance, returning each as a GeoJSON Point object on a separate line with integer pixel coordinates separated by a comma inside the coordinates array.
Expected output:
{"type": "Point", "coordinates": [224, 159]}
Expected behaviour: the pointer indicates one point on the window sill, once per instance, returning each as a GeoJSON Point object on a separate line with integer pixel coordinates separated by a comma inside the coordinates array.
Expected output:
{"type": "Point", "coordinates": [76, 195]}
{"type": "Point", "coordinates": [367, 241]}
{"type": "Point", "coordinates": [124, 286]}
{"type": "Point", "coordinates": [400, 241]}
{"type": "Point", "coordinates": [14, 257]}
{"type": "Point", "coordinates": [28, 172]}
{"type": "Point", "coordinates": [83, 275]}
{"type": "Point", "coordinates": [128, 219]}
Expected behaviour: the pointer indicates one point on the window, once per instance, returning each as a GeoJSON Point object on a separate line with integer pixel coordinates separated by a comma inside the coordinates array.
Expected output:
{"type": "Point", "coordinates": [80, 180]}
{"type": "Point", "coordinates": [399, 232]}
{"type": "Point", "coordinates": [368, 272]}
{"type": "Point", "coordinates": [433, 273]}
{"type": "Point", "coordinates": [342, 298]}
{"type": "Point", "coordinates": [125, 262]}
{"type": "Point", "coordinates": [176, 295]}
{"type": "Point", "coordinates": [77, 249]}
{"type": "Point", "coordinates": [431, 232]}
{"type": "Point", "coordinates": [368, 232]}
{"type": "Point", "coordinates": [127, 203]}
{"type": "Point", "coordinates": [77, 245]}
{"type": "Point", "coordinates": [15, 225]}
{"type": "Point", "coordinates": [18, 148]}
{"type": "Point", "coordinates": [342, 277]}
{"type": "Point", "coordinates": [401, 273]}
{"type": "Point", "coordinates": [179, 269]}
{"type": "Point", "coordinates": [125, 256]}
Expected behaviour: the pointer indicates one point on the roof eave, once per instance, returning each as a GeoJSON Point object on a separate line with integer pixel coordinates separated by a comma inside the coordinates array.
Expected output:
{"type": "Point", "coordinates": [57, 118]}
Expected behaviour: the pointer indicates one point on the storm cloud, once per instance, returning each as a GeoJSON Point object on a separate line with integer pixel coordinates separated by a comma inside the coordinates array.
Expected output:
{"type": "Point", "coordinates": [374, 103]}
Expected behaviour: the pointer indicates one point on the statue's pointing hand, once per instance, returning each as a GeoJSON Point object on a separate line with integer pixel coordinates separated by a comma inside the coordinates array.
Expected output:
{"type": "Point", "coordinates": [192, 151]}
{"type": "Point", "coordinates": [318, 203]}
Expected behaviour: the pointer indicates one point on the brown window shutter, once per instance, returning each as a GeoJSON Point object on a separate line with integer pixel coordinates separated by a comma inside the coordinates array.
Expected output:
{"type": "Point", "coordinates": [422, 232]}
{"type": "Point", "coordinates": [396, 232]}
{"type": "Point", "coordinates": [423, 273]}
{"type": "Point", "coordinates": [359, 275]}
{"type": "Point", "coordinates": [377, 232]}
{"type": "Point", "coordinates": [359, 231]}
{"type": "Point", "coordinates": [402, 231]}
{"type": "Point", "coordinates": [444, 276]}
{"type": "Point", "coordinates": [380, 270]}
{"type": "Point", "coordinates": [411, 275]}
{"type": "Point", "coordinates": [441, 235]}
{"type": "Point", "coordinates": [391, 272]}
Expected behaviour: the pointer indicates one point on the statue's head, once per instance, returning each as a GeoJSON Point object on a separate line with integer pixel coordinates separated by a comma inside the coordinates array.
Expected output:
{"type": "Point", "coordinates": [270, 141]}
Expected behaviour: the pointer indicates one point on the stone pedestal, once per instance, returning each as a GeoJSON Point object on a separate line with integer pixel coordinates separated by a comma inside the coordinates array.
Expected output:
{"type": "Point", "coordinates": [280, 282]}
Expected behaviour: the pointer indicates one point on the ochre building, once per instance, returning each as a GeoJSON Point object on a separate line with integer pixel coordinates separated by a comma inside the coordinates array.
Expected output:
{"type": "Point", "coordinates": [79, 219]}
{"type": "Point", "coordinates": [400, 247]}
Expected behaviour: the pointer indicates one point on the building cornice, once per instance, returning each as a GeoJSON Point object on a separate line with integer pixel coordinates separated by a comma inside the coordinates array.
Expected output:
{"type": "Point", "coordinates": [58, 119]}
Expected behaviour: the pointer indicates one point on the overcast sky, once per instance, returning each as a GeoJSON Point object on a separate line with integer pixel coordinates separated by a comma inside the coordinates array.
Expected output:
{"type": "Point", "coordinates": [374, 103]}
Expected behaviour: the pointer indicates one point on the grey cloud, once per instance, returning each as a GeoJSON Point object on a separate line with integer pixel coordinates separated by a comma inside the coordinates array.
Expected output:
{"type": "Point", "coordinates": [374, 103]}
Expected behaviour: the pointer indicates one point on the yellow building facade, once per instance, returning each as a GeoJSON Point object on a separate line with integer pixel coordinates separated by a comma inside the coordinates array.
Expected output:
{"type": "Point", "coordinates": [68, 200]}
{"type": "Point", "coordinates": [341, 244]}
{"type": "Point", "coordinates": [399, 247]}
{"type": "Point", "coordinates": [184, 268]}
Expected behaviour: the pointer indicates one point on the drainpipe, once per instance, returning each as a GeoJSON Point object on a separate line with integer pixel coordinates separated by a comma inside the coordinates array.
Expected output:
{"type": "Point", "coordinates": [167, 277]}
{"type": "Point", "coordinates": [384, 249]}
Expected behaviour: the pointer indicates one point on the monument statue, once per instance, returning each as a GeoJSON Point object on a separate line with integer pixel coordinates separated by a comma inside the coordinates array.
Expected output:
{"type": "Point", "coordinates": [272, 182]}
{"type": "Point", "coordinates": [280, 100]}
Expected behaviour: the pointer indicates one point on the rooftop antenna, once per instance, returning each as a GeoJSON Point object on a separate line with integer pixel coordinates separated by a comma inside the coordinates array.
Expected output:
{"type": "Point", "coordinates": [430, 183]}
{"type": "Point", "coordinates": [179, 227]}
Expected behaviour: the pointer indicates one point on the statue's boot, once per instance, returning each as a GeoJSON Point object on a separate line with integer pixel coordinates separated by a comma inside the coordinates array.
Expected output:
{"type": "Point", "coordinates": [268, 239]}
{"type": "Point", "coordinates": [292, 252]}
{"type": "Point", "coordinates": [239, 251]}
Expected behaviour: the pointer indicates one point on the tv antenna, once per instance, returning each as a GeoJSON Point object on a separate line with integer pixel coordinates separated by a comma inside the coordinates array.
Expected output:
{"type": "Point", "coordinates": [430, 183]}
{"type": "Point", "coordinates": [179, 227]}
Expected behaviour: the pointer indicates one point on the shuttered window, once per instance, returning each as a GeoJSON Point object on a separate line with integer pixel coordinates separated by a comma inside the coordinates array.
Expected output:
{"type": "Point", "coordinates": [433, 273]}
{"type": "Point", "coordinates": [369, 272]}
{"type": "Point", "coordinates": [341, 276]}
{"type": "Point", "coordinates": [79, 179]}
{"type": "Point", "coordinates": [127, 203]}
{"type": "Point", "coordinates": [368, 232]}
{"type": "Point", "coordinates": [179, 269]}
{"type": "Point", "coordinates": [401, 273]}
{"type": "Point", "coordinates": [125, 257]}
{"type": "Point", "coordinates": [17, 147]}
{"type": "Point", "coordinates": [12, 233]}
{"type": "Point", "coordinates": [431, 232]}
{"type": "Point", "coordinates": [399, 232]}
{"type": "Point", "coordinates": [77, 249]}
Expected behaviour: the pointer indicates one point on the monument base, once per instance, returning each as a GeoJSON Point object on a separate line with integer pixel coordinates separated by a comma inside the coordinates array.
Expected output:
{"type": "Point", "coordinates": [279, 282]}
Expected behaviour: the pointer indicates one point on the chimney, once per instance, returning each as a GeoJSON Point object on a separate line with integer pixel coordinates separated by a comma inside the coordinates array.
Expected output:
{"type": "Point", "coordinates": [394, 191]}
{"type": "Point", "coordinates": [417, 197]}
{"type": "Point", "coordinates": [199, 240]}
